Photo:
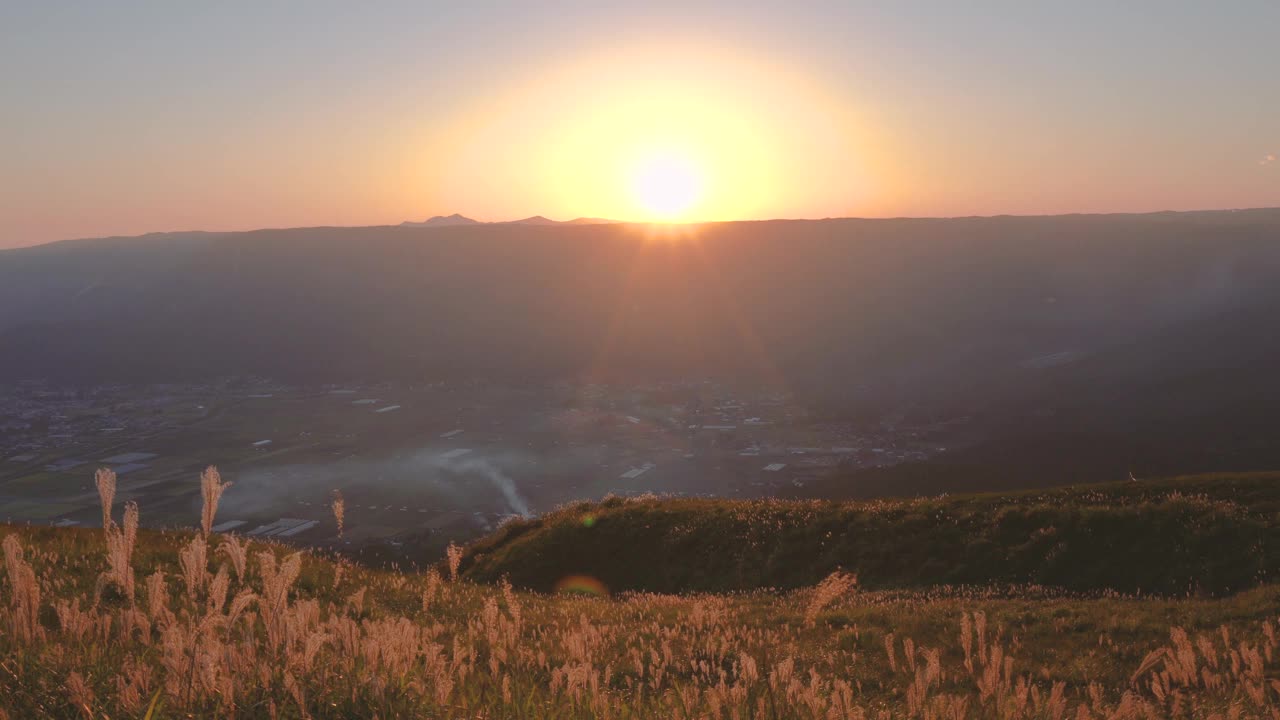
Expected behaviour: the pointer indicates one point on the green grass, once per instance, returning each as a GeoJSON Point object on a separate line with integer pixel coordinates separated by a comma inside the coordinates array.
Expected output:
{"type": "Point", "coordinates": [1196, 535]}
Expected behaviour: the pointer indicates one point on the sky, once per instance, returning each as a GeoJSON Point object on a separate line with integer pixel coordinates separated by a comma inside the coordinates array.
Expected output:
{"type": "Point", "coordinates": [124, 118]}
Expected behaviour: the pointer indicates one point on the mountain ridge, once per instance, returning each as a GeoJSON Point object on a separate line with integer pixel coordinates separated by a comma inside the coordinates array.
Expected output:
{"type": "Point", "coordinates": [1244, 213]}
{"type": "Point", "coordinates": [1151, 323]}
{"type": "Point", "coordinates": [456, 220]}
{"type": "Point", "coordinates": [442, 221]}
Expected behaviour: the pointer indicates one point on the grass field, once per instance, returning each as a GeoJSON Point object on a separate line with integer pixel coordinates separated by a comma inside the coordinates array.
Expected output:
{"type": "Point", "coordinates": [109, 624]}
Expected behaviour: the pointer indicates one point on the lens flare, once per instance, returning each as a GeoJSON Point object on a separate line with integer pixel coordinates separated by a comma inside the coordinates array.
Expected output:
{"type": "Point", "coordinates": [581, 585]}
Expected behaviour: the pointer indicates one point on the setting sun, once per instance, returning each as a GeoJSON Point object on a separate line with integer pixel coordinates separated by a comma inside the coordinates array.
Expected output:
{"type": "Point", "coordinates": [670, 134]}
{"type": "Point", "coordinates": [666, 186]}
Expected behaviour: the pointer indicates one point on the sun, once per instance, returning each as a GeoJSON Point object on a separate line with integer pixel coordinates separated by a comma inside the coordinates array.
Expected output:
{"type": "Point", "coordinates": [666, 185]}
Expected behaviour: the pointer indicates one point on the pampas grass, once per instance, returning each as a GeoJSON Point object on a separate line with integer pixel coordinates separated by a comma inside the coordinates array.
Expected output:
{"type": "Point", "coordinates": [339, 507]}
{"type": "Point", "coordinates": [211, 489]}
{"type": "Point", "coordinates": [266, 633]}
{"type": "Point", "coordinates": [105, 481]}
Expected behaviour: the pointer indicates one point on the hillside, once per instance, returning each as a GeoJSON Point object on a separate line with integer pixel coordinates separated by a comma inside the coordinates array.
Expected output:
{"type": "Point", "coordinates": [1138, 334]}
{"type": "Point", "coordinates": [129, 623]}
{"type": "Point", "coordinates": [1203, 534]}
{"type": "Point", "coordinates": [811, 303]}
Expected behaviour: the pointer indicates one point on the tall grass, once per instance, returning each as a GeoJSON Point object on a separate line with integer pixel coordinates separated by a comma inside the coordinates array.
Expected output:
{"type": "Point", "coordinates": [220, 630]}
{"type": "Point", "coordinates": [105, 481]}
{"type": "Point", "coordinates": [211, 489]}
{"type": "Point", "coordinates": [339, 507]}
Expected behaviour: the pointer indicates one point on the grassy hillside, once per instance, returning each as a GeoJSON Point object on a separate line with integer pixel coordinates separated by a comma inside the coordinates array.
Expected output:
{"type": "Point", "coordinates": [349, 642]}
{"type": "Point", "coordinates": [1199, 535]}
{"type": "Point", "coordinates": [124, 623]}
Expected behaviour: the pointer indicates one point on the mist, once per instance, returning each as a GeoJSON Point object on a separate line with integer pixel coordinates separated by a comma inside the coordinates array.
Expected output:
{"type": "Point", "coordinates": [422, 474]}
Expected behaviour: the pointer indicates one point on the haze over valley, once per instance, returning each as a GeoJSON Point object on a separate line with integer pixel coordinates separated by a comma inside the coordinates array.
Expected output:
{"type": "Point", "coordinates": [862, 358]}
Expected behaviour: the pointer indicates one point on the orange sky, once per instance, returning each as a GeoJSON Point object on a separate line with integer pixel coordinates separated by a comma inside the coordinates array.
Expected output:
{"type": "Point", "coordinates": [140, 118]}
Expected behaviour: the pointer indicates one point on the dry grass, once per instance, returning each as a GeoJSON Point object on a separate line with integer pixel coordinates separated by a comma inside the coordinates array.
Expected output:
{"type": "Point", "coordinates": [211, 489]}
{"type": "Point", "coordinates": [105, 481]}
{"type": "Point", "coordinates": [339, 510]}
{"type": "Point", "coordinates": [836, 585]}
{"type": "Point", "coordinates": [277, 633]}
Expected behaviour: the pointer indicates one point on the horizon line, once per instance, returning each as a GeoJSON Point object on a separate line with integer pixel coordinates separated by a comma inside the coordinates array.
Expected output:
{"type": "Point", "coordinates": [604, 221]}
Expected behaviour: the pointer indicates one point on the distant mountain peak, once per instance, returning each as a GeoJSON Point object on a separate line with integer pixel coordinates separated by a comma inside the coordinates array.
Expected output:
{"type": "Point", "coordinates": [456, 219]}
{"type": "Point", "coordinates": [592, 221]}
{"type": "Point", "coordinates": [540, 220]}
{"type": "Point", "coordinates": [442, 221]}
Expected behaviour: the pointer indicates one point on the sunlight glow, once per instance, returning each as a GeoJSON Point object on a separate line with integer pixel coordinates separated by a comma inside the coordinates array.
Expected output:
{"type": "Point", "coordinates": [666, 186]}
{"type": "Point", "coordinates": [661, 134]}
